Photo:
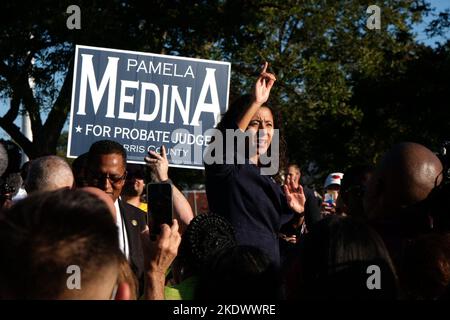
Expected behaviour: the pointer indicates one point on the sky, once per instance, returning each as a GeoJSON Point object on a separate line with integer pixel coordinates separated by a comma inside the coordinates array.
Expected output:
{"type": "Point", "coordinates": [439, 5]}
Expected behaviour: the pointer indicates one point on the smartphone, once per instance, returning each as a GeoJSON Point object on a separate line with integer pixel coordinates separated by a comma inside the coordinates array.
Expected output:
{"type": "Point", "coordinates": [159, 197]}
{"type": "Point", "coordinates": [329, 198]}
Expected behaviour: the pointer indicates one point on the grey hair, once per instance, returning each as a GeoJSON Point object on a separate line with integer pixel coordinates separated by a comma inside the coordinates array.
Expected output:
{"type": "Point", "coordinates": [48, 173]}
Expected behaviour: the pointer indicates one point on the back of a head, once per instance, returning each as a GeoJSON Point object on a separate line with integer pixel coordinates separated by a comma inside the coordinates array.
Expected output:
{"type": "Point", "coordinates": [205, 235]}
{"type": "Point", "coordinates": [426, 267]}
{"type": "Point", "coordinates": [45, 234]}
{"type": "Point", "coordinates": [334, 260]}
{"type": "Point", "coordinates": [48, 173]}
{"type": "Point", "coordinates": [353, 187]}
{"type": "Point", "coordinates": [405, 176]}
{"type": "Point", "coordinates": [103, 196]}
{"type": "Point", "coordinates": [239, 273]}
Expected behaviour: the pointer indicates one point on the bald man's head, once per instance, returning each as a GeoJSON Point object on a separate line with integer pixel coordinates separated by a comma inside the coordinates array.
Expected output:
{"type": "Point", "coordinates": [48, 173]}
{"type": "Point", "coordinates": [405, 176]}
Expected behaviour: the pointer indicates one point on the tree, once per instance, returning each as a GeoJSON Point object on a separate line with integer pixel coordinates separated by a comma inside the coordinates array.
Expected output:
{"type": "Point", "coordinates": [36, 45]}
{"type": "Point", "coordinates": [332, 71]}
{"type": "Point", "coordinates": [414, 101]}
{"type": "Point", "coordinates": [319, 51]}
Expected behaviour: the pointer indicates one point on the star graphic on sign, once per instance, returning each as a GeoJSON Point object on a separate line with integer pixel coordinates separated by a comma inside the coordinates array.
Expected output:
{"type": "Point", "coordinates": [78, 128]}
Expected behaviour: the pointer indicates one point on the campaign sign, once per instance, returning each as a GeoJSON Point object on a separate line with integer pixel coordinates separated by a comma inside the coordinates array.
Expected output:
{"type": "Point", "coordinates": [144, 101]}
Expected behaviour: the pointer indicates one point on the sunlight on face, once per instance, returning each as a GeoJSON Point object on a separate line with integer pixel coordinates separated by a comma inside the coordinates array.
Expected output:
{"type": "Point", "coordinates": [261, 126]}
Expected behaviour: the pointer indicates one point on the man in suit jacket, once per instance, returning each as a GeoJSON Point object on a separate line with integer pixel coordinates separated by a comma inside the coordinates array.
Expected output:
{"type": "Point", "coordinates": [106, 170]}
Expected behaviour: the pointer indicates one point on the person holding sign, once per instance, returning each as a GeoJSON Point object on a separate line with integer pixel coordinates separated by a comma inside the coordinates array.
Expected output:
{"type": "Point", "coordinates": [241, 191]}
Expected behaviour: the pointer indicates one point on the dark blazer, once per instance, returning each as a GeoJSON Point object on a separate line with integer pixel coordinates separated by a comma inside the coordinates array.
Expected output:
{"type": "Point", "coordinates": [254, 204]}
{"type": "Point", "coordinates": [134, 219]}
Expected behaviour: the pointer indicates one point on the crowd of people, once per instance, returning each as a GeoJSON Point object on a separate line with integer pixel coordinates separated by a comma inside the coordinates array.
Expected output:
{"type": "Point", "coordinates": [377, 233]}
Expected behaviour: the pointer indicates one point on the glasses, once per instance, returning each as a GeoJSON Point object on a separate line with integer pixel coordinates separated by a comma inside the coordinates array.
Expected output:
{"type": "Point", "coordinates": [114, 179]}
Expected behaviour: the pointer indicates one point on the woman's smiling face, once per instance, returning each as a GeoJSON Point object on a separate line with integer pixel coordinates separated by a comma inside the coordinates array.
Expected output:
{"type": "Point", "coordinates": [262, 128]}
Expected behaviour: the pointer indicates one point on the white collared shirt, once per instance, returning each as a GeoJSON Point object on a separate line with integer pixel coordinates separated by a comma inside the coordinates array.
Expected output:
{"type": "Point", "coordinates": [123, 237]}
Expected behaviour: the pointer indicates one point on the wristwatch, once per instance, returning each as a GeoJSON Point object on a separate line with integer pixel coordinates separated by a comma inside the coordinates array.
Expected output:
{"type": "Point", "coordinates": [168, 181]}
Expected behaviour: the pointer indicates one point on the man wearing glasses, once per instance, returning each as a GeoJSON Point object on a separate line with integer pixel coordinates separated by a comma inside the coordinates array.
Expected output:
{"type": "Point", "coordinates": [107, 171]}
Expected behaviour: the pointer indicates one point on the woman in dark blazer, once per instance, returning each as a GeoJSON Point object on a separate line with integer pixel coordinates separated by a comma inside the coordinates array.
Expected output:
{"type": "Point", "coordinates": [244, 190]}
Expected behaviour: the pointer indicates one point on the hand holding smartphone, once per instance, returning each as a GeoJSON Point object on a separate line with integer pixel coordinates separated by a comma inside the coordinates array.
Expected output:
{"type": "Point", "coordinates": [329, 199]}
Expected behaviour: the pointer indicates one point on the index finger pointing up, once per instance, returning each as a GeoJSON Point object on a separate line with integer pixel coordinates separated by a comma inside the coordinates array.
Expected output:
{"type": "Point", "coordinates": [163, 152]}
{"type": "Point", "coordinates": [266, 64]}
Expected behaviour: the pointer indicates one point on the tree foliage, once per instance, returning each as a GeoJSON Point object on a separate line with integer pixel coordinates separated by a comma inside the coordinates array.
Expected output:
{"type": "Point", "coordinates": [346, 93]}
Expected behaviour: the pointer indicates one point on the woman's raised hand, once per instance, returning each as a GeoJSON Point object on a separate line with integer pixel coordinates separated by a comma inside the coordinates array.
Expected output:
{"type": "Point", "coordinates": [263, 85]}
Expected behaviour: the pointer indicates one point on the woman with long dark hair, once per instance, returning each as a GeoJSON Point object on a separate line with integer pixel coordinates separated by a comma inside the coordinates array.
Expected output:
{"type": "Point", "coordinates": [242, 191]}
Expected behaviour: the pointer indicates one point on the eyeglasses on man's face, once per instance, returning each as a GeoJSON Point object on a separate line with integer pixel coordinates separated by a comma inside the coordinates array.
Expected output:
{"type": "Point", "coordinates": [96, 178]}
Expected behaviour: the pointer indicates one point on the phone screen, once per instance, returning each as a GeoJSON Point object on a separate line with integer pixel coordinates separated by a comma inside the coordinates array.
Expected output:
{"type": "Point", "coordinates": [329, 198]}
{"type": "Point", "coordinates": [159, 196]}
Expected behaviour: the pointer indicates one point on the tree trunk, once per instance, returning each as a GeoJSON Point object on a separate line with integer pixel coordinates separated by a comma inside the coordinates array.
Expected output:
{"type": "Point", "coordinates": [45, 137]}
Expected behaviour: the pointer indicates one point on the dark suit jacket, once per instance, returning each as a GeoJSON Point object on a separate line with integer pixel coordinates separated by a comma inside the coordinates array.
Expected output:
{"type": "Point", "coordinates": [134, 219]}
{"type": "Point", "coordinates": [254, 204]}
